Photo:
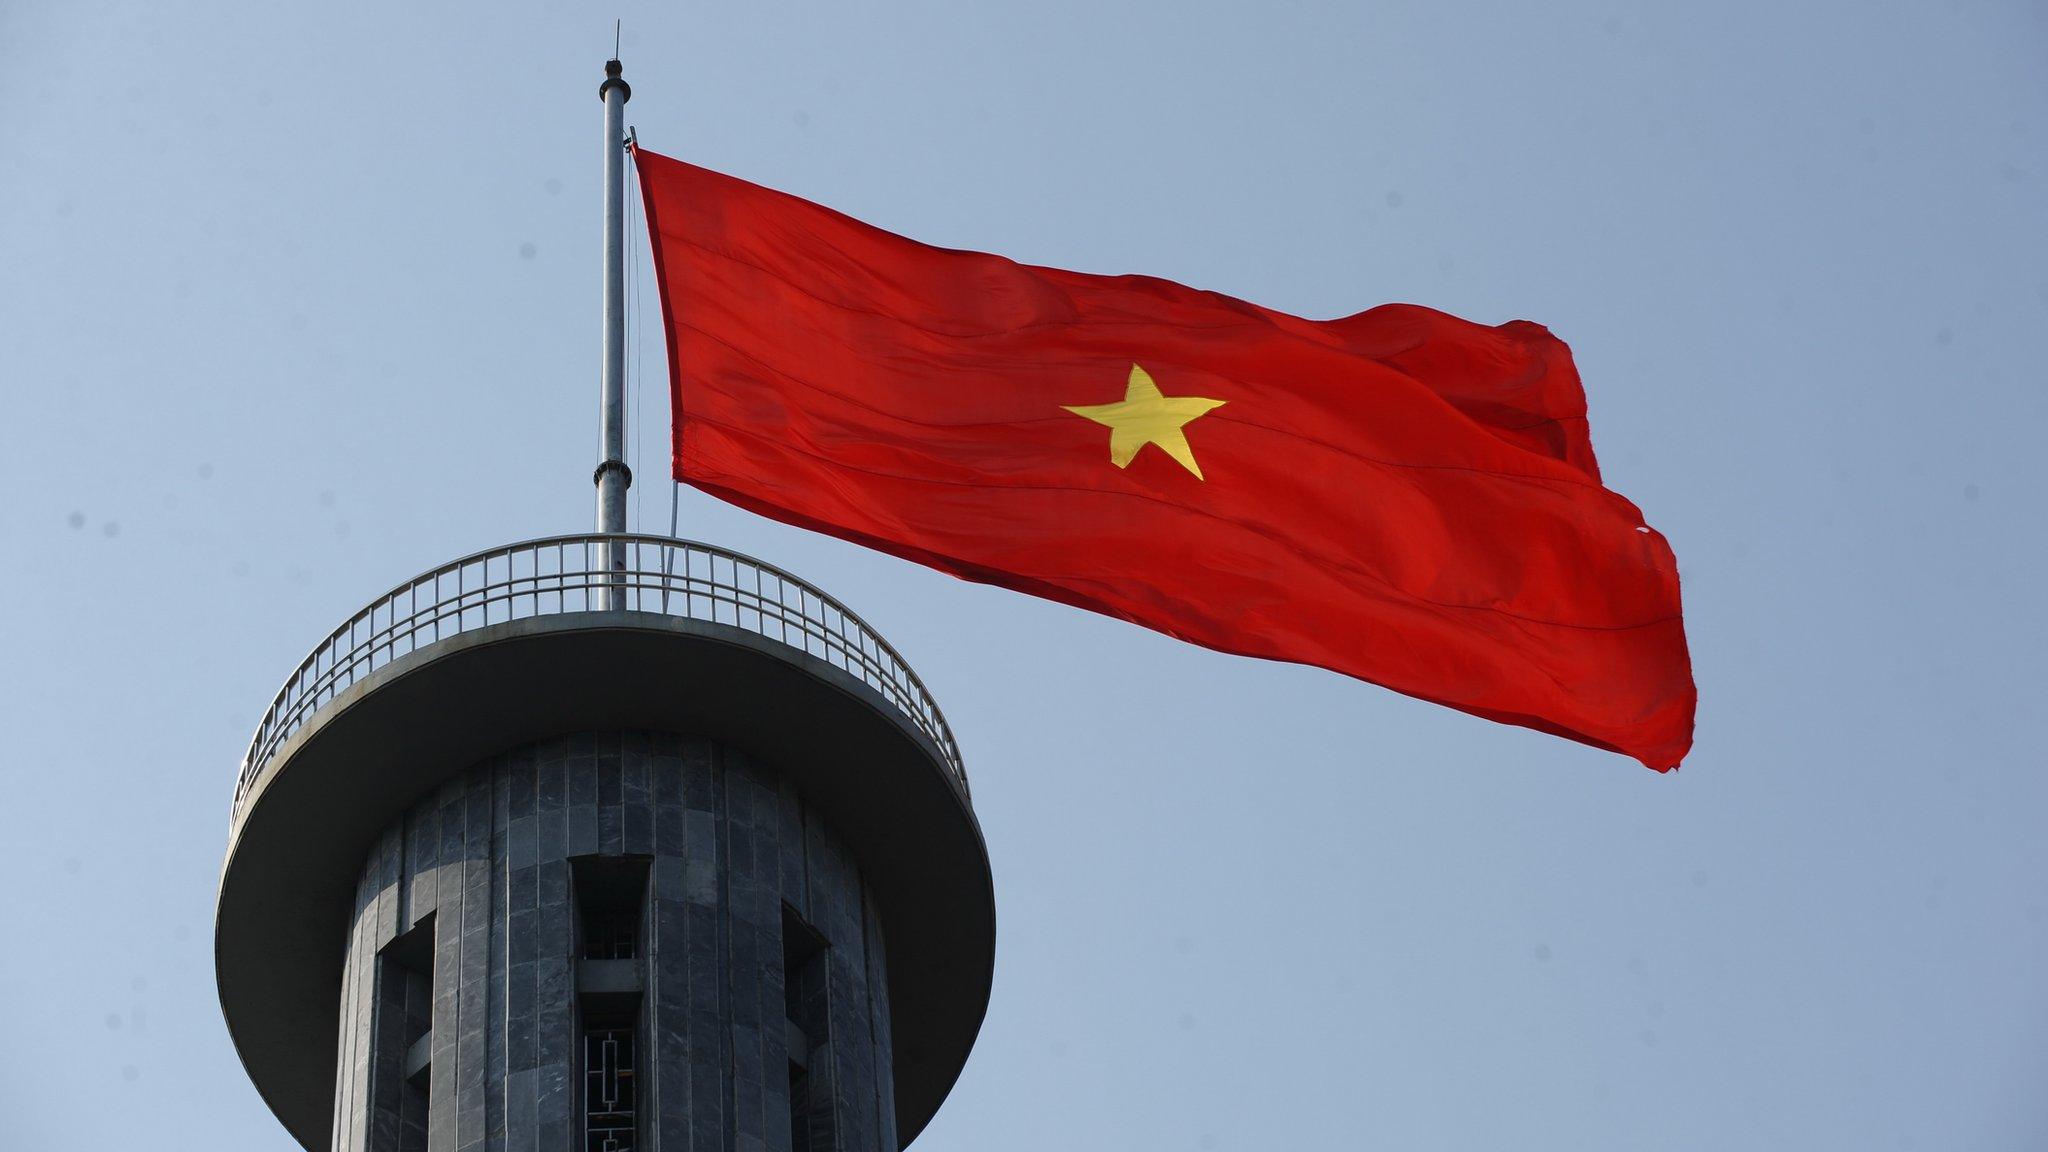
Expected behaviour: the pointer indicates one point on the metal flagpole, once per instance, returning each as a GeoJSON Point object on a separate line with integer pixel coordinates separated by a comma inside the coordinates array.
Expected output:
{"type": "Point", "coordinates": [613, 477]}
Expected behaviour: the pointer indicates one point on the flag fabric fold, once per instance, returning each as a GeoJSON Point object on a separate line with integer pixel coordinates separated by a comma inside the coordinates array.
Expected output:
{"type": "Point", "coordinates": [1398, 495]}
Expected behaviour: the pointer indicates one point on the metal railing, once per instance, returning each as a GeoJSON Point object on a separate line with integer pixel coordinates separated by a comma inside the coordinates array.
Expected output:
{"type": "Point", "coordinates": [592, 573]}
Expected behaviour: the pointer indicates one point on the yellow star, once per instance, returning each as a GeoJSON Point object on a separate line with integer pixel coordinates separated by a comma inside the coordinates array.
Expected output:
{"type": "Point", "coordinates": [1144, 417]}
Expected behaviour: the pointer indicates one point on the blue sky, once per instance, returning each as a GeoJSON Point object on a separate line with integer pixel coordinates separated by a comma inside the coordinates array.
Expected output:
{"type": "Point", "coordinates": [297, 301]}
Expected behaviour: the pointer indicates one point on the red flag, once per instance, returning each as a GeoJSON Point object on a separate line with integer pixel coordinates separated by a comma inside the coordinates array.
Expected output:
{"type": "Point", "coordinates": [1398, 495]}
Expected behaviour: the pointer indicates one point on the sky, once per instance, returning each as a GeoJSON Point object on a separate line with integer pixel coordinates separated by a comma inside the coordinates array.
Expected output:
{"type": "Point", "coordinates": [297, 301]}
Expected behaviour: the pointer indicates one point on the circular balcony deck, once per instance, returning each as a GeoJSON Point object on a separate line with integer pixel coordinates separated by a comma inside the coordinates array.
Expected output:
{"type": "Point", "coordinates": [582, 633]}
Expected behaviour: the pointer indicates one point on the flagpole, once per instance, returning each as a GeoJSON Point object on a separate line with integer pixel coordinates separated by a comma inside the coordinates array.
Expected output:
{"type": "Point", "coordinates": [613, 477]}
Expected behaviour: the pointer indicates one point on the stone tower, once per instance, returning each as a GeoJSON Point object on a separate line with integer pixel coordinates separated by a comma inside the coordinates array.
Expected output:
{"type": "Point", "coordinates": [604, 843]}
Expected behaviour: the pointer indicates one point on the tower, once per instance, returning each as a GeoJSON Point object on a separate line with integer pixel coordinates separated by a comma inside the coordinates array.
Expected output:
{"type": "Point", "coordinates": [603, 843]}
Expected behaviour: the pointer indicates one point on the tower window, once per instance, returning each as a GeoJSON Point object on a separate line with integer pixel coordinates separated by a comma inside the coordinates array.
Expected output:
{"type": "Point", "coordinates": [803, 1001]}
{"type": "Point", "coordinates": [610, 1095]}
{"type": "Point", "coordinates": [611, 898]}
{"type": "Point", "coordinates": [611, 907]}
{"type": "Point", "coordinates": [611, 934]}
{"type": "Point", "coordinates": [405, 1029]}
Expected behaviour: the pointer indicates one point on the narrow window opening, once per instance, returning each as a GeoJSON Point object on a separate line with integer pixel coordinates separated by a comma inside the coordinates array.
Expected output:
{"type": "Point", "coordinates": [406, 1010]}
{"type": "Point", "coordinates": [611, 900]}
{"type": "Point", "coordinates": [804, 953]}
{"type": "Point", "coordinates": [610, 1093]}
{"type": "Point", "coordinates": [611, 910]}
{"type": "Point", "coordinates": [611, 934]}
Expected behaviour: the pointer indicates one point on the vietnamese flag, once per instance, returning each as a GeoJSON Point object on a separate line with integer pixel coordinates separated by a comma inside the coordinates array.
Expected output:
{"type": "Point", "coordinates": [1399, 495]}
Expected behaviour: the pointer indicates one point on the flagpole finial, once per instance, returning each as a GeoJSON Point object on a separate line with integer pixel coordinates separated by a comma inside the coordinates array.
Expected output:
{"type": "Point", "coordinates": [612, 79]}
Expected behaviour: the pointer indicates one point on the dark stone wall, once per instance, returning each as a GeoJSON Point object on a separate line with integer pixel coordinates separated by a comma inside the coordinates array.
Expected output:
{"type": "Point", "coordinates": [466, 920]}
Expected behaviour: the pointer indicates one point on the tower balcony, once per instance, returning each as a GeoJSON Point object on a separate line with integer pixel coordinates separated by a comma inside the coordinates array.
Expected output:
{"type": "Point", "coordinates": [570, 576]}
